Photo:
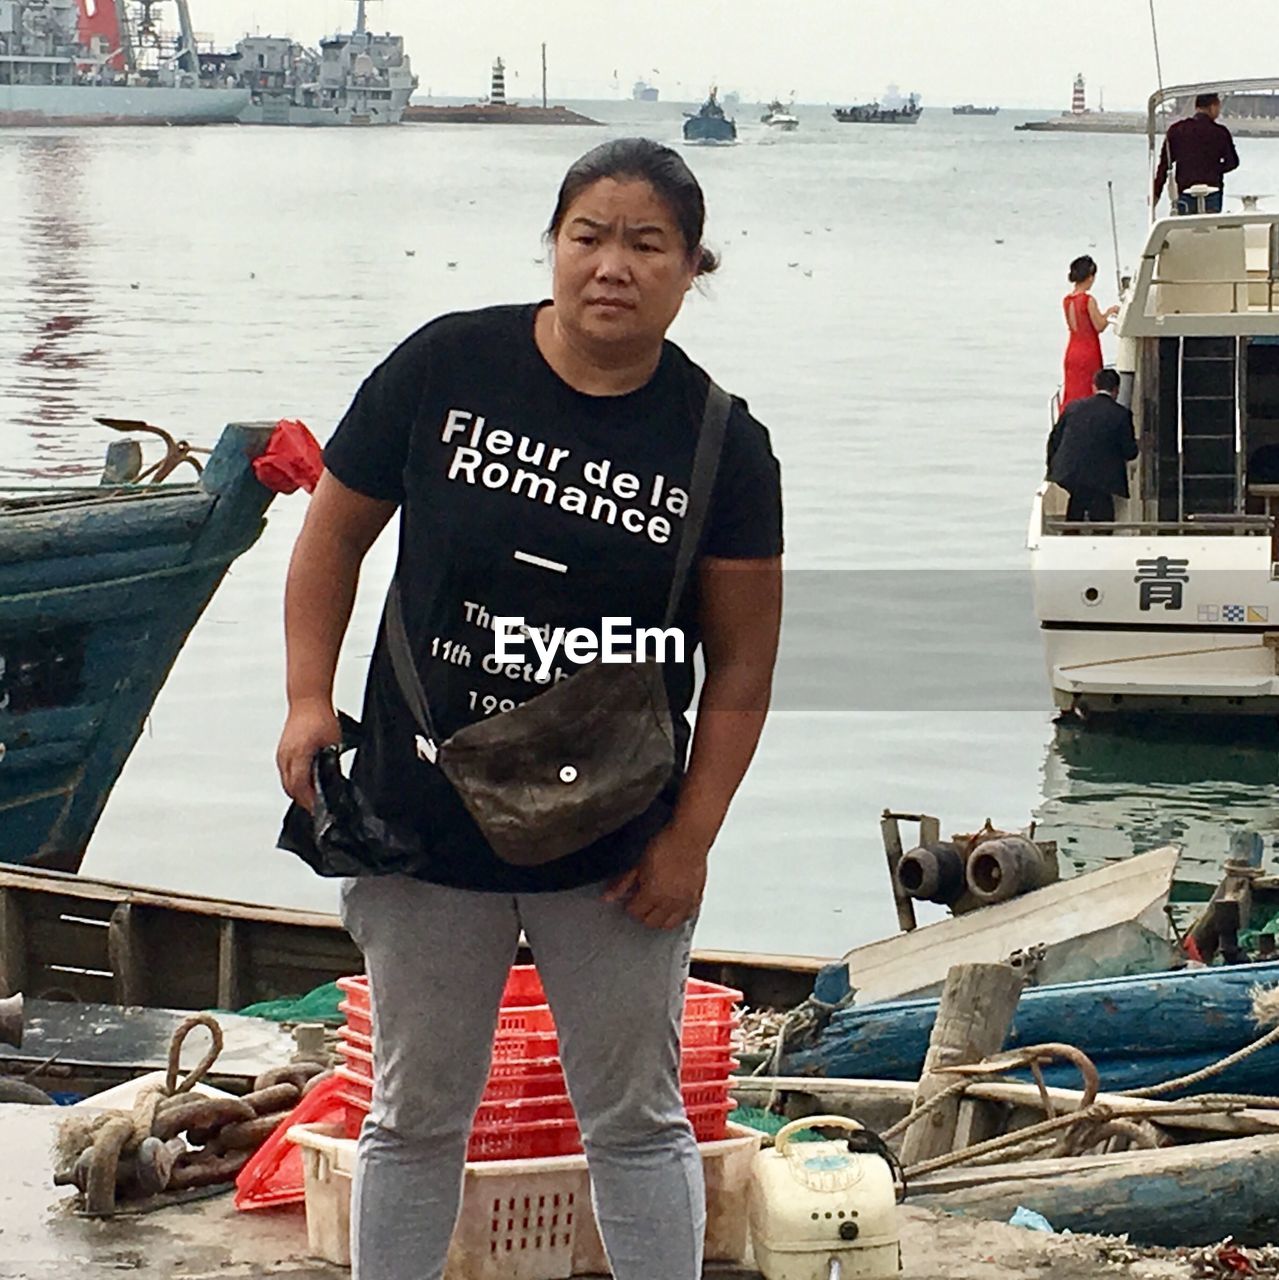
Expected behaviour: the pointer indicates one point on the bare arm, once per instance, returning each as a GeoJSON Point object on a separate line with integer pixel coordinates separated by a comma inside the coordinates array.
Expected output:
{"type": "Point", "coordinates": [741, 604]}
{"type": "Point", "coordinates": [340, 527]}
{"type": "Point", "coordinates": [740, 623]}
{"type": "Point", "coordinates": [1100, 320]}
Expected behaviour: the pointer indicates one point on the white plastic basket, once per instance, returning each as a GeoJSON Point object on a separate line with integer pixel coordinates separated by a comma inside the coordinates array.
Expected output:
{"type": "Point", "coordinates": [522, 1219]}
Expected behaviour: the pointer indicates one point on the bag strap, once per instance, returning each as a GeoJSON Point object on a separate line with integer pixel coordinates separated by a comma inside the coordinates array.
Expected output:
{"type": "Point", "coordinates": [710, 444]}
{"type": "Point", "coordinates": [406, 676]}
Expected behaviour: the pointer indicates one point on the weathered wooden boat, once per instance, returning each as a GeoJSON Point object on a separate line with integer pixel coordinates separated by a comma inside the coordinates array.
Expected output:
{"type": "Point", "coordinates": [1104, 923]}
{"type": "Point", "coordinates": [99, 588]}
{"type": "Point", "coordinates": [72, 938]}
{"type": "Point", "coordinates": [1138, 1030]}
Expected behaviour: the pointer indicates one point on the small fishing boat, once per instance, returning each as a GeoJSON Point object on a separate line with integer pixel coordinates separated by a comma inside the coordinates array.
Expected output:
{"type": "Point", "coordinates": [1138, 1030]}
{"type": "Point", "coordinates": [709, 125]}
{"type": "Point", "coordinates": [99, 588]}
{"type": "Point", "coordinates": [967, 109]}
{"type": "Point", "coordinates": [907, 112]}
{"type": "Point", "coordinates": [1103, 923]}
{"type": "Point", "coordinates": [780, 116]}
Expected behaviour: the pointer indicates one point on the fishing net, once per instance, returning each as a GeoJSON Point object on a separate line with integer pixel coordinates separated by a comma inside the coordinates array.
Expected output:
{"type": "Point", "coordinates": [769, 1122]}
{"type": "Point", "coordinates": [320, 1005]}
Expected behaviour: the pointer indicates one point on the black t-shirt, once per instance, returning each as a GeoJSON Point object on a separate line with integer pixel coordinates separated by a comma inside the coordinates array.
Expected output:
{"type": "Point", "coordinates": [522, 497]}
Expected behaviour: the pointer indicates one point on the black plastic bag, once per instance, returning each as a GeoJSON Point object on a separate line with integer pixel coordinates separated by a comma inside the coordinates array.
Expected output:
{"type": "Point", "coordinates": [343, 836]}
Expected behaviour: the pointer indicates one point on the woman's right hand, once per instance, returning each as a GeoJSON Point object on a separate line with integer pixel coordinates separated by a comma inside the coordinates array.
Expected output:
{"type": "Point", "coordinates": [310, 726]}
{"type": "Point", "coordinates": [1112, 312]}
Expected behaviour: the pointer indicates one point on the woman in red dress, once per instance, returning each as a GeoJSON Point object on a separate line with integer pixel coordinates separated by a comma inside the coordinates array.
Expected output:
{"type": "Point", "coordinates": [1086, 323]}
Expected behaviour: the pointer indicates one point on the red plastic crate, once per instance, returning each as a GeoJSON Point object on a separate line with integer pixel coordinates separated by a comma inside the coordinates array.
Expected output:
{"type": "Point", "coordinates": [492, 1115]}
{"type": "Point", "coordinates": [710, 1094]}
{"type": "Point", "coordinates": [355, 1087]}
{"type": "Point", "coordinates": [358, 1019]}
{"type": "Point", "coordinates": [710, 1124]}
{"type": "Point", "coordinates": [708, 1035]}
{"type": "Point", "coordinates": [523, 986]}
{"type": "Point", "coordinates": [519, 1046]}
{"type": "Point", "coordinates": [509, 1088]}
{"type": "Point", "coordinates": [709, 1002]}
{"type": "Point", "coordinates": [525, 1009]}
{"type": "Point", "coordinates": [698, 1065]}
{"type": "Point", "coordinates": [526, 1141]}
{"type": "Point", "coordinates": [359, 1061]}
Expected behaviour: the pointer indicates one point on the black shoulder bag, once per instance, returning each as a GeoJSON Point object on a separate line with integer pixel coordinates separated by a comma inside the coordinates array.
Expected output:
{"type": "Point", "coordinates": [586, 756]}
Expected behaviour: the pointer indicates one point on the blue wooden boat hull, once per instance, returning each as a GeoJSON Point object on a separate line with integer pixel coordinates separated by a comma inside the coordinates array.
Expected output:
{"type": "Point", "coordinates": [98, 592]}
{"type": "Point", "coordinates": [1139, 1030]}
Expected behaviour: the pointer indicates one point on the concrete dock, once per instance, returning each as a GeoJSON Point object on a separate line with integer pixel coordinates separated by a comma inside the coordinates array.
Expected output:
{"type": "Point", "coordinates": [42, 1238]}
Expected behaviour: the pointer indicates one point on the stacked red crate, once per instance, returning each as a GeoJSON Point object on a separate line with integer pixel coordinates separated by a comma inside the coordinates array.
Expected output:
{"type": "Point", "coordinates": [526, 1110]}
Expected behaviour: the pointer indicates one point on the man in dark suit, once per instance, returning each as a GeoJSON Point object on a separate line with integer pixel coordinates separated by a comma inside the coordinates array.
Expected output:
{"type": "Point", "coordinates": [1089, 449]}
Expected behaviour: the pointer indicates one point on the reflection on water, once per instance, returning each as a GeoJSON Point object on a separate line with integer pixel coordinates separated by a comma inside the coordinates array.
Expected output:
{"type": "Point", "coordinates": [1110, 792]}
{"type": "Point", "coordinates": [56, 310]}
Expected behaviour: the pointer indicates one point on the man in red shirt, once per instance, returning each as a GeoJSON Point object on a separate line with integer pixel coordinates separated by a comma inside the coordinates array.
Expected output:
{"type": "Point", "coordinates": [1197, 150]}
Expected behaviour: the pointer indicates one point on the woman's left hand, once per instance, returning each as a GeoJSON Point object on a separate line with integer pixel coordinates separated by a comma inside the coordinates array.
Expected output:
{"type": "Point", "coordinates": [666, 889]}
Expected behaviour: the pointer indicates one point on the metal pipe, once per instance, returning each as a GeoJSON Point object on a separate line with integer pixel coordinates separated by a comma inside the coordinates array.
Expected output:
{"type": "Point", "coordinates": [1114, 234]}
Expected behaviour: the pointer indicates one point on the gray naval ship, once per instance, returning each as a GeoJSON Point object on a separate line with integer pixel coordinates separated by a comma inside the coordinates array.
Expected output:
{"type": "Point", "coordinates": [355, 78]}
{"type": "Point", "coordinates": [109, 63]}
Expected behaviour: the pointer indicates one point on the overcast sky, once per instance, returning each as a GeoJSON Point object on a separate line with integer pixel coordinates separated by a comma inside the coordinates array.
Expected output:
{"type": "Point", "coordinates": [1009, 52]}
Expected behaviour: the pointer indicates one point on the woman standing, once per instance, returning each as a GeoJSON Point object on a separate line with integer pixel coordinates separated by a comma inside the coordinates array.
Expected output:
{"type": "Point", "coordinates": [541, 457]}
{"type": "Point", "coordinates": [1086, 323]}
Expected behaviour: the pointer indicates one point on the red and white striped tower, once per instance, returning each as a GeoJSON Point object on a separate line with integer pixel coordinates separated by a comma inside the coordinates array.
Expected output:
{"type": "Point", "coordinates": [1078, 100]}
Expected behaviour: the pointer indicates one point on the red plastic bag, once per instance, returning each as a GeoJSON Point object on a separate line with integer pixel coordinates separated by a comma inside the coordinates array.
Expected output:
{"type": "Point", "coordinates": [274, 1175]}
{"type": "Point", "coordinates": [292, 459]}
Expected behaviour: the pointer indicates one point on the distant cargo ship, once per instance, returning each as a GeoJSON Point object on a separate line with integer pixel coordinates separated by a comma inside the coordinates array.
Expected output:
{"type": "Point", "coordinates": [62, 63]}
{"type": "Point", "coordinates": [967, 109]}
{"type": "Point", "coordinates": [641, 91]}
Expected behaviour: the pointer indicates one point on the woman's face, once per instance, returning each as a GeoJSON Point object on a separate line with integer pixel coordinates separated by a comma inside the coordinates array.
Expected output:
{"type": "Point", "coordinates": [621, 265]}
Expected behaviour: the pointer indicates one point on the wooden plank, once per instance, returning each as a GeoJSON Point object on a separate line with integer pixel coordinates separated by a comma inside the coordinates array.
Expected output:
{"type": "Point", "coordinates": [892, 837]}
{"type": "Point", "coordinates": [232, 957]}
{"type": "Point", "coordinates": [973, 1018]}
{"type": "Point", "coordinates": [13, 944]}
{"type": "Point", "coordinates": [894, 1098]}
{"type": "Point", "coordinates": [126, 951]}
{"type": "Point", "coordinates": [40, 881]}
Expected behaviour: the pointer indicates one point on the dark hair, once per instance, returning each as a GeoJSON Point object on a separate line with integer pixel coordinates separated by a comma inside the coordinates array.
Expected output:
{"type": "Point", "coordinates": [1106, 380]}
{"type": "Point", "coordinates": [1206, 100]}
{"type": "Point", "coordinates": [1081, 269]}
{"type": "Point", "coordinates": [662, 168]}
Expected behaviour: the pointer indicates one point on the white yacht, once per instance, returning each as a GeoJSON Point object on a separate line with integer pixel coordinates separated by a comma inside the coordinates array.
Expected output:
{"type": "Point", "coordinates": [1174, 607]}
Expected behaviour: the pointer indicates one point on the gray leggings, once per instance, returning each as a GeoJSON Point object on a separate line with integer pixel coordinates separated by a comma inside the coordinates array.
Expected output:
{"type": "Point", "coordinates": [437, 960]}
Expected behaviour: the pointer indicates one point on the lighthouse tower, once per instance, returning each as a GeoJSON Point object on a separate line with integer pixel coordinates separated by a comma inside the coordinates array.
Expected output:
{"type": "Point", "coordinates": [497, 89]}
{"type": "Point", "coordinates": [1078, 101]}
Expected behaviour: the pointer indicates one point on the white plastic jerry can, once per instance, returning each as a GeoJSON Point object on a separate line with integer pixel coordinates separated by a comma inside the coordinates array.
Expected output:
{"type": "Point", "coordinates": [821, 1212]}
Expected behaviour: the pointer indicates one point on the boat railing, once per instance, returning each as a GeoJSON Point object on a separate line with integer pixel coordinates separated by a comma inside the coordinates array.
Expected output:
{"type": "Point", "coordinates": [1234, 525]}
{"type": "Point", "coordinates": [1206, 274]}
